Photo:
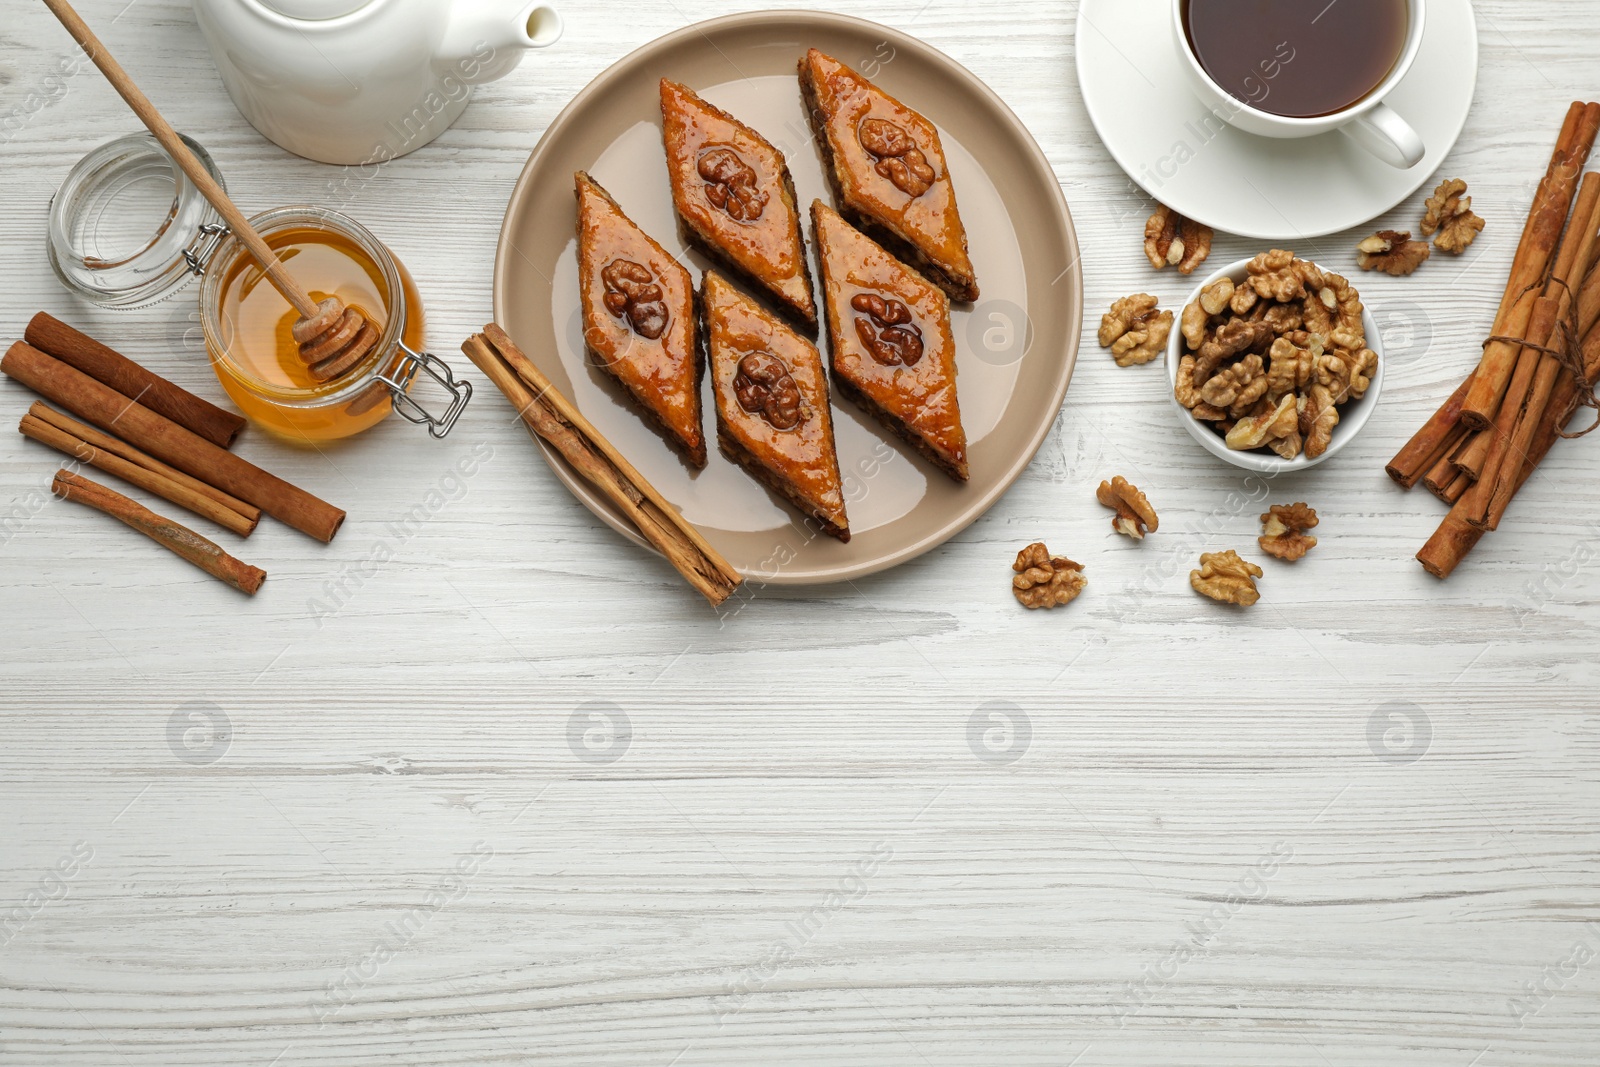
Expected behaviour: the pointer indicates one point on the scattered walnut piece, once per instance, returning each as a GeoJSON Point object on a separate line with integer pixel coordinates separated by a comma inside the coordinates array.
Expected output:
{"type": "Point", "coordinates": [1134, 330]}
{"type": "Point", "coordinates": [1283, 531]}
{"type": "Point", "coordinates": [1135, 517]}
{"type": "Point", "coordinates": [1393, 252]}
{"type": "Point", "coordinates": [1046, 581]}
{"type": "Point", "coordinates": [1450, 215]}
{"type": "Point", "coordinates": [1224, 576]}
{"type": "Point", "coordinates": [1171, 238]}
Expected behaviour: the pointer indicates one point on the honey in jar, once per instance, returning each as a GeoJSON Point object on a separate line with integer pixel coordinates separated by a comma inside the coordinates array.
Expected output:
{"type": "Point", "coordinates": [247, 324]}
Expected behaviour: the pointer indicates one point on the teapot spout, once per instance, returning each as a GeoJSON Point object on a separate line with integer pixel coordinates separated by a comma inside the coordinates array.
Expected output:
{"type": "Point", "coordinates": [486, 38]}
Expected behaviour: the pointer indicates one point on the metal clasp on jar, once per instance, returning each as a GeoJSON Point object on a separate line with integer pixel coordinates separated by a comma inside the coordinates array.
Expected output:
{"type": "Point", "coordinates": [404, 373]}
{"type": "Point", "coordinates": [205, 244]}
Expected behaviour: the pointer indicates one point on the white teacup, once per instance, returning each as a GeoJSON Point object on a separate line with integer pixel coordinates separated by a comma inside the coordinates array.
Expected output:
{"type": "Point", "coordinates": [1369, 122]}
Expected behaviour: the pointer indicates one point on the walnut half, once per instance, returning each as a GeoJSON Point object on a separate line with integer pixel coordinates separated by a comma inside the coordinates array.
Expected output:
{"type": "Point", "coordinates": [1135, 517]}
{"type": "Point", "coordinates": [1283, 531]}
{"type": "Point", "coordinates": [1171, 238]}
{"type": "Point", "coordinates": [1224, 576]}
{"type": "Point", "coordinates": [1449, 216]}
{"type": "Point", "coordinates": [1393, 252]}
{"type": "Point", "coordinates": [1046, 581]}
{"type": "Point", "coordinates": [1135, 330]}
{"type": "Point", "coordinates": [1258, 430]}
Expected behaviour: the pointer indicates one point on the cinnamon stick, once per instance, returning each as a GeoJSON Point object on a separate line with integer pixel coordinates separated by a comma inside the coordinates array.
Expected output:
{"type": "Point", "coordinates": [1546, 219]}
{"type": "Point", "coordinates": [1455, 537]}
{"type": "Point", "coordinates": [1474, 453]}
{"type": "Point", "coordinates": [104, 364]}
{"type": "Point", "coordinates": [1449, 545]}
{"type": "Point", "coordinates": [1581, 240]}
{"type": "Point", "coordinates": [118, 447]}
{"type": "Point", "coordinates": [1475, 502]}
{"type": "Point", "coordinates": [1443, 472]}
{"type": "Point", "coordinates": [178, 539]}
{"type": "Point", "coordinates": [1452, 492]}
{"type": "Point", "coordinates": [113, 412]}
{"type": "Point", "coordinates": [1421, 452]}
{"type": "Point", "coordinates": [1589, 303]}
{"type": "Point", "coordinates": [134, 474]}
{"type": "Point", "coordinates": [555, 419]}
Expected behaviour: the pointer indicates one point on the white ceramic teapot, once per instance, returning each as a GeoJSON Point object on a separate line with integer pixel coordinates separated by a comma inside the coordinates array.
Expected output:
{"type": "Point", "coordinates": [364, 81]}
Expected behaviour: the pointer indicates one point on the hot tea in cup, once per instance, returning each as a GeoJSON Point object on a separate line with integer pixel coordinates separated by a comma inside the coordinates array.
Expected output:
{"type": "Point", "coordinates": [1300, 68]}
{"type": "Point", "coordinates": [1294, 58]}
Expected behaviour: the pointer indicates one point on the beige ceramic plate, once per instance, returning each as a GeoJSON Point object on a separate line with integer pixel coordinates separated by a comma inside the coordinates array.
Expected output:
{"type": "Point", "coordinates": [1017, 344]}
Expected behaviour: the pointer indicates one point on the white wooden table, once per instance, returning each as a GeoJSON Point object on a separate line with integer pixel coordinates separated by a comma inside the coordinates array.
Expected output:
{"type": "Point", "coordinates": [1354, 825]}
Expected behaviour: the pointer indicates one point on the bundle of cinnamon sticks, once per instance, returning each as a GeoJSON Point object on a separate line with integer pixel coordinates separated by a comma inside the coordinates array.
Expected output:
{"type": "Point", "coordinates": [554, 418]}
{"type": "Point", "coordinates": [1541, 359]}
{"type": "Point", "coordinates": [158, 436]}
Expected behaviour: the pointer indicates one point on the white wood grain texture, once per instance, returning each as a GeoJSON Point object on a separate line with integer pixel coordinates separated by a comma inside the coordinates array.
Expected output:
{"type": "Point", "coordinates": [1175, 744]}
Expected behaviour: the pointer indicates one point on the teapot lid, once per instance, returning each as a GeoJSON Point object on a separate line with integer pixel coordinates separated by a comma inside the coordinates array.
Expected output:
{"type": "Point", "coordinates": [313, 10]}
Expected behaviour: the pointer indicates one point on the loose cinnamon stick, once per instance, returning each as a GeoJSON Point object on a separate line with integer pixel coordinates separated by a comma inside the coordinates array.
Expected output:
{"type": "Point", "coordinates": [178, 539]}
{"type": "Point", "coordinates": [1546, 219]}
{"type": "Point", "coordinates": [134, 474]}
{"type": "Point", "coordinates": [113, 412]}
{"type": "Point", "coordinates": [76, 349]}
{"type": "Point", "coordinates": [118, 447]}
{"type": "Point", "coordinates": [1421, 452]}
{"type": "Point", "coordinates": [554, 418]}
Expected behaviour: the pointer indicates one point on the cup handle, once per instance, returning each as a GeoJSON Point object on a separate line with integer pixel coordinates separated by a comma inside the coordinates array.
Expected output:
{"type": "Point", "coordinates": [1386, 135]}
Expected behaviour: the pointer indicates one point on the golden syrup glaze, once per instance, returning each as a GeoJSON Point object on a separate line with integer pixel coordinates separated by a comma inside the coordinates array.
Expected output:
{"type": "Point", "coordinates": [662, 373]}
{"type": "Point", "coordinates": [930, 221]}
{"type": "Point", "coordinates": [921, 397]}
{"type": "Point", "coordinates": [767, 247]}
{"type": "Point", "coordinates": [802, 457]}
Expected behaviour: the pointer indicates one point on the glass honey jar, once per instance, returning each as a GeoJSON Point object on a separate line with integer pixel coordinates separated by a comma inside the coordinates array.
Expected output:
{"type": "Point", "coordinates": [100, 222]}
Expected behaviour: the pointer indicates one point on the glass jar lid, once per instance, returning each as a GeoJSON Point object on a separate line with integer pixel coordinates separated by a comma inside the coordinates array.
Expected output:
{"type": "Point", "coordinates": [127, 226]}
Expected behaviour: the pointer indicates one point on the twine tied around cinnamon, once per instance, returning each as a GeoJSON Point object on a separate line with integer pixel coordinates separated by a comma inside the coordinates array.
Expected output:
{"type": "Point", "coordinates": [1568, 353]}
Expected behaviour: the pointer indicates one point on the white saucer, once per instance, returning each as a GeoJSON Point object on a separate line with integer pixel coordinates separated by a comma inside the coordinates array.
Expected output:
{"type": "Point", "coordinates": [1256, 186]}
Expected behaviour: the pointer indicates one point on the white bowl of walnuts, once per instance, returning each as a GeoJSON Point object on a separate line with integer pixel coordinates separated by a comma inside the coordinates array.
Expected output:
{"type": "Point", "coordinates": [1274, 365]}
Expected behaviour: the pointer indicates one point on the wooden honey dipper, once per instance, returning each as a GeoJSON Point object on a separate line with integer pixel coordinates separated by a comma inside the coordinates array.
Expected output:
{"type": "Point", "coordinates": [332, 337]}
